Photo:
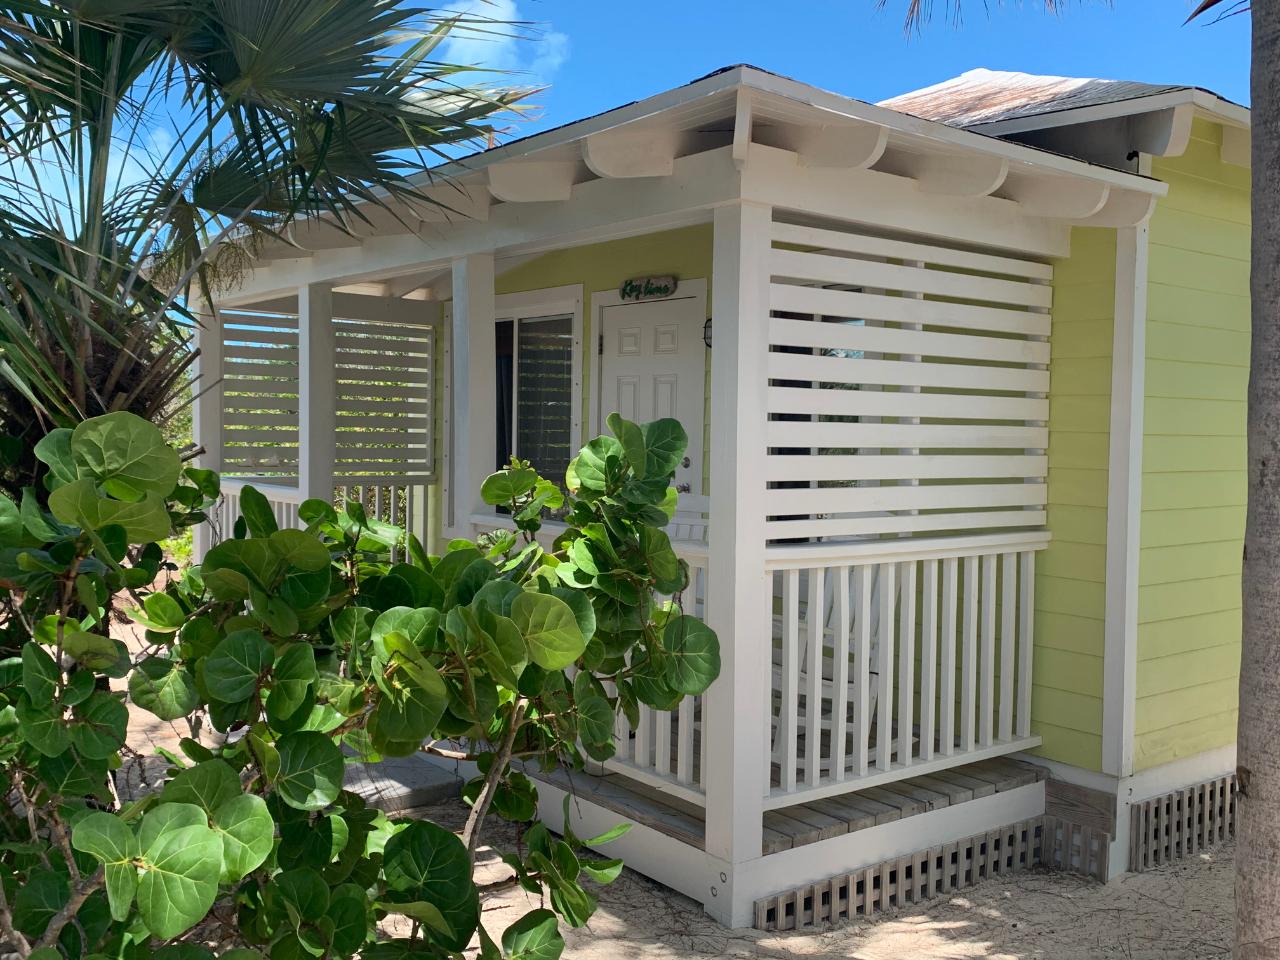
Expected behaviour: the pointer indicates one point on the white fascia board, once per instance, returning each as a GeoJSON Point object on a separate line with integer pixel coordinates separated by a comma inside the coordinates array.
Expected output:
{"type": "Point", "coordinates": [940, 133]}
{"type": "Point", "coordinates": [1206, 104]}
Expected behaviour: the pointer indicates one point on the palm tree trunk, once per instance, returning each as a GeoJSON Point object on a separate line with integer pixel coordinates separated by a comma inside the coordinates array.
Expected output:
{"type": "Point", "coordinates": [1258, 764]}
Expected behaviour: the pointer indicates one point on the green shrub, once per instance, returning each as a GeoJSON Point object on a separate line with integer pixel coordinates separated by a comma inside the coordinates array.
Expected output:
{"type": "Point", "coordinates": [305, 649]}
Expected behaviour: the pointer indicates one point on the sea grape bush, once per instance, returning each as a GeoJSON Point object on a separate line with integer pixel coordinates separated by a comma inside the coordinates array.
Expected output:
{"type": "Point", "coordinates": [289, 653]}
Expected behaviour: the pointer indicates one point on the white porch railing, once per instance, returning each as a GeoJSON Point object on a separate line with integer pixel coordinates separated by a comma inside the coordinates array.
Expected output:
{"type": "Point", "coordinates": [404, 504]}
{"type": "Point", "coordinates": [893, 659]}
{"type": "Point", "coordinates": [667, 748]}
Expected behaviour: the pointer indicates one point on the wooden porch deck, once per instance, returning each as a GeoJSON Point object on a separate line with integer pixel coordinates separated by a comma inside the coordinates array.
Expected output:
{"type": "Point", "coordinates": [805, 823]}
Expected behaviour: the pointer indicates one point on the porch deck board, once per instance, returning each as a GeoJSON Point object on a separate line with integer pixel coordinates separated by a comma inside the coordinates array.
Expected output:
{"type": "Point", "coordinates": [805, 823]}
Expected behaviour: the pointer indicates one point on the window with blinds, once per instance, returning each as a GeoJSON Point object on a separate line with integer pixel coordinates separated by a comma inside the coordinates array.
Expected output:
{"type": "Point", "coordinates": [535, 392]}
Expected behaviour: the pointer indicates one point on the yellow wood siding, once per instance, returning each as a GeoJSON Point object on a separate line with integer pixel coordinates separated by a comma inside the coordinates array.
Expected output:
{"type": "Point", "coordinates": [1066, 705]}
{"type": "Point", "coordinates": [1193, 482]}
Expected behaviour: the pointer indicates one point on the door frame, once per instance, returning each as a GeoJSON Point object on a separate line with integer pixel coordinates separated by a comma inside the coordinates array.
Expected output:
{"type": "Point", "coordinates": [695, 289]}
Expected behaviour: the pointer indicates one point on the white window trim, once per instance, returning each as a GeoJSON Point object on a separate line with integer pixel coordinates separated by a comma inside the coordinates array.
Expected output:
{"type": "Point", "coordinates": [695, 289]}
{"type": "Point", "coordinates": [552, 302]}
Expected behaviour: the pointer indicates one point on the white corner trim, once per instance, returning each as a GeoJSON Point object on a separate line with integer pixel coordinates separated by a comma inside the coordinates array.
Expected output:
{"type": "Point", "coordinates": [1124, 501]}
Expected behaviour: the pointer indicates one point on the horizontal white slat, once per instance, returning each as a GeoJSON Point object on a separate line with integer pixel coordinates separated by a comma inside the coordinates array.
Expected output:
{"type": "Point", "coordinates": [352, 435]}
{"type": "Point", "coordinates": [383, 478]}
{"type": "Point", "coordinates": [274, 353]}
{"type": "Point", "coordinates": [853, 336]}
{"type": "Point", "coordinates": [906, 523]}
{"type": "Point", "coordinates": [875, 306]}
{"type": "Point", "coordinates": [347, 360]}
{"type": "Point", "coordinates": [935, 496]}
{"type": "Point", "coordinates": [904, 467]}
{"type": "Point", "coordinates": [396, 408]}
{"type": "Point", "coordinates": [385, 415]}
{"type": "Point", "coordinates": [381, 454]}
{"type": "Point", "coordinates": [403, 347]}
{"type": "Point", "coordinates": [906, 250]}
{"type": "Point", "coordinates": [249, 407]}
{"type": "Point", "coordinates": [275, 371]}
{"type": "Point", "coordinates": [882, 403]}
{"type": "Point", "coordinates": [821, 268]}
{"type": "Point", "coordinates": [416, 332]}
{"type": "Point", "coordinates": [366, 375]}
{"type": "Point", "coordinates": [285, 321]}
{"type": "Point", "coordinates": [849, 436]}
{"type": "Point", "coordinates": [286, 338]}
{"type": "Point", "coordinates": [236, 434]}
{"type": "Point", "coordinates": [350, 392]}
{"type": "Point", "coordinates": [257, 395]}
{"type": "Point", "coordinates": [848, 551]}
{"type": "Point", "coordinates": [826, 369]}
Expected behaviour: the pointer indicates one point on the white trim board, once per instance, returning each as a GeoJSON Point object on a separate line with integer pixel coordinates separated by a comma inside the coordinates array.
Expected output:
{"type": "Point", "coordinates": [1124, 502]}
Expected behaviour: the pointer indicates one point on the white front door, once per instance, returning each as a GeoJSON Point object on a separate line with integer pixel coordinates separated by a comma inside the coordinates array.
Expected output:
{"type": "Point", "coordinates": [653, 365]}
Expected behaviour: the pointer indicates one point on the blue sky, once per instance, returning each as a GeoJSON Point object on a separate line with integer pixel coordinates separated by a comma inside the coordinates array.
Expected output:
{"type": "Point", "coordinates": [597, 54]}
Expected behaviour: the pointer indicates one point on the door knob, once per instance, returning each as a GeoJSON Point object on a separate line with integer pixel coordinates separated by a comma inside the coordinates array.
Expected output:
{"type": "Point", "coordinates": [683, 488]}
{"type": "Point", "coordinates": [685, 463]}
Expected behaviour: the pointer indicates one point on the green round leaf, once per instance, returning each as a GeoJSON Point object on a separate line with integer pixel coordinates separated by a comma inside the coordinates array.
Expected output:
{"type": "Point", "coordinates": [108, 838]}
{"type": "Point", "coordinates": [301, 549]}
{"type": "Point", "coordinates": [232, 671]}
{"type": "Point", "coordinates": [163, 687]}
{"type": "Point", "coordinates": [90, 650]}
{"type": "Point", "coordinates": [54, 449]}
{"type": "Point", "coordinates": [424, 862]}
{"type": "Point", "coordinates": [693, 655]}
{"type": "Point", "coordinates": [248, 833]}
{"type": "Point", "coordinates": [311, 770]}
{"type": "Point", "coordinates": [99, 725]}
{"type": "Point", "coordinates": [164, 615]}
{"type": "Point", "coordinates": [179, 881]}
{"type": "Point", "coordinates": [535, 936]}
{"type": "Point", "coordinates": [549, 628]}
{"type": "Point", "coordinates": [80, 504]}
{"type": "Point", "coordinates": [126, 454]}
{"type": "Point", "coordinates": [665, 442]}
{"type": "Point", "coordinates": [43, 726]}
{"type": "Point", "coordinates": [40, 674]}
{"type": "Point", "coordinates": [506, 485]}
{"type": "Point", "coordinates": [291, 677]}
{"type": "Point", "coordinates": [257, 512]}
{"type": "Point", "coordinates": [10, 523]}
{"type": "Point", "coordinates": [207, 785]}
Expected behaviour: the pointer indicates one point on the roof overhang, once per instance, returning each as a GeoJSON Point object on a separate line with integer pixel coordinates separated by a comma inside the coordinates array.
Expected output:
{"type": "Point", "coordinates": [1159, 125]}
{"type": "Point", "coordinates": [739, 109]}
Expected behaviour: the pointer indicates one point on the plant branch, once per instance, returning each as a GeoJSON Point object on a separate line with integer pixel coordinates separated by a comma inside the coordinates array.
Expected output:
{"type": "Point", "coordinates": [11, 936]}
{"type": "Point", "coordinates": [64, 916]}
{"type": "Point", "coordinates": [471, 833]}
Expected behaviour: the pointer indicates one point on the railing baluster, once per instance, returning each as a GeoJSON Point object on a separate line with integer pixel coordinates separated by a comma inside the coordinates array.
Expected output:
{"type": "Point", "coordinates": [1008, 639]}
{"type": "Point", "coordinates": [987, 667]}
{"type": "Point", "coordinates": [862, 685]}
{"type": "Point", "coordinates": [1026, 637]}
{"type": "Point", "coordinates": [947, 700]}
{"type": "Point", "coordinates": [884, 719]}
{"type": "Point", "coordinates": [644, 731]}
{"type": "Point", "coordinates": [906, 660]}
{"type": "Point", "coordinates": [928, 656]}
{"type": "Point", "coordinates": [787, 721]}
{"type": "Point", "coordinates": [840, 672]}
{"type": "Point", "coordinates": [684, 745]}
{"type": "Point", "coordinates": [662, 742]}
{"type": "Point", "coordinates": [813, 688]}
{"type": "Point", "coordinates": [969, 656]}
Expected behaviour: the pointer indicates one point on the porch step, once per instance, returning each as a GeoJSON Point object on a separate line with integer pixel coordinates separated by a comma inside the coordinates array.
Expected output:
{"type": "Point", "coordinates": [805, 823]}
{"type": "Point", "coordinates": [398, 783]}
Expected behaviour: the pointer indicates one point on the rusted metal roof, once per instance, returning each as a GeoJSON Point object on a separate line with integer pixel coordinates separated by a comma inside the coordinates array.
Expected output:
{"type": "Point", "coordinates": [989, 96]}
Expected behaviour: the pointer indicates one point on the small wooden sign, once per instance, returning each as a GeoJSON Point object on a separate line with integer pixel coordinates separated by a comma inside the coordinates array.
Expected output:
{"type": "Point", "coordinates": [648, 288]}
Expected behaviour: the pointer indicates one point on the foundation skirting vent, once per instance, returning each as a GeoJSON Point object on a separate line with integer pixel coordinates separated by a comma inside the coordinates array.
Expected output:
{"type": "Point", "coordinates": [909, 879]}
{"type": "Point", "coordinates": [1182, 823]}
{"type": "Point", "coordinates": [1075, 848]}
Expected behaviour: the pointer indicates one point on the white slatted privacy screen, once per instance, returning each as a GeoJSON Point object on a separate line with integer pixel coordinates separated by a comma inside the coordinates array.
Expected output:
{"type": "Point", "coordinates": [384, 381]}
{"type": "Point", "coordinates": [385, 407]}
{"type": "Point", "coordinates": [907, 387]}
{"type": "Point", "coordinates": [260, 395]}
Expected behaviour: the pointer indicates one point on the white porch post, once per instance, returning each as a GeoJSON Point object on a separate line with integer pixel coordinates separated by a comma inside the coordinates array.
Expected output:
{"type": "Point", "coordinates": [737, 705]}
{"type": "Point", "coordinates": [474, 422]}
{"type": "Point", "coordinates": [317, 399]}
{"type": "Point", "coordinates": [206, 412]}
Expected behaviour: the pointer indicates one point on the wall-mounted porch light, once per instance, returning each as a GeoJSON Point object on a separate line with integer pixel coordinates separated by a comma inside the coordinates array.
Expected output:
{"type": "Point", "coordinates": [706, 333]}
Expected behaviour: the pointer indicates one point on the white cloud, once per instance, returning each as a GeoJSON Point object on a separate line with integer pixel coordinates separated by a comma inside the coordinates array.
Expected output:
{"type": "Point", "coordinates": [502, 38]}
